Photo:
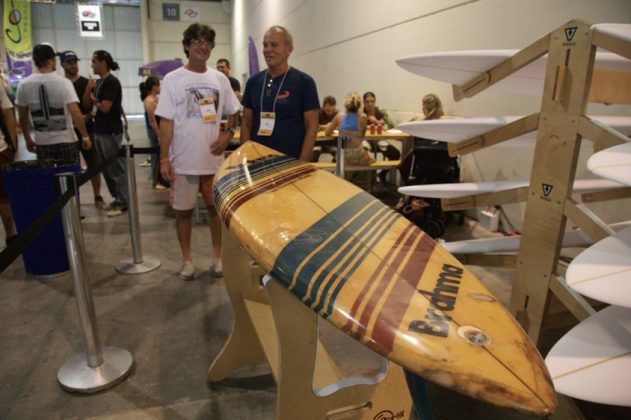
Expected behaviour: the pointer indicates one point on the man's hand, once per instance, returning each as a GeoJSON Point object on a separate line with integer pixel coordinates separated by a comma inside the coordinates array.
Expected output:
{"type": "Point", "coordinates": [87, 143]}
{"type": "Point", "coordinates": [91, 83]}
{"type": "Point", "coordinates": [222, 142]}
{"type": "Point", "coordinates": [166, 170]}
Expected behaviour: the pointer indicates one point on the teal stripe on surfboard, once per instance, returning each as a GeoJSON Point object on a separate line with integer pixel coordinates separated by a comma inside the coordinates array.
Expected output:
{"type": "Point", "coordinates": [358, 257]}
{"type": "Point", "coordinates": [368, 217]}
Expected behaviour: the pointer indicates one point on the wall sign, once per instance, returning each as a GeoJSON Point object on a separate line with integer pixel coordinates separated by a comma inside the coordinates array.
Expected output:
{"type": "Point", "coordinates": [89, 21]}
{"type": "Point", "coordinates": [191, 12]}
{"type": "Point", "coordinates": [171, 11]}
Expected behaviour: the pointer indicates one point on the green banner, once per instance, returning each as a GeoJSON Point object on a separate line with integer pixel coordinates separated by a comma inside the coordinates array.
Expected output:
{"type": "Point", "coordinates": [16, 23]}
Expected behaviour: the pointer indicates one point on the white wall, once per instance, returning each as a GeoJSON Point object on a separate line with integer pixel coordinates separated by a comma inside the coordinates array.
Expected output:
{"type": "Point", "coordinates": [164, 38]}
{"type": "Point", "coordinates": [351, 45]}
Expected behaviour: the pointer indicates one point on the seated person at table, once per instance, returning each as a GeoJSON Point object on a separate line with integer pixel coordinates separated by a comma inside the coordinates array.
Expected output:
{"type": "Point", "coordinates": [328, 111]}
{"type": "Point", "coordinates": [432, 108]}
{"type": "Point", "coordinates": [375, 114]}
{"type": "Point", "coordinates": [351, 124]}
{"type": "Point", "coordinates": [326, 115]}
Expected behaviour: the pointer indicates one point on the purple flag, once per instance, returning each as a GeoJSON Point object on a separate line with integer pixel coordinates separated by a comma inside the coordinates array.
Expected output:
{"type": "Point", "coordinates": [252, 57]}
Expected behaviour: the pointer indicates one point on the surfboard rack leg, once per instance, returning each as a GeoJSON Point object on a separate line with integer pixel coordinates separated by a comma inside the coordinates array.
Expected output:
{"type": "Point", "coordinates": [297, 338]}
{"type": "Point", "coordinates": [279, 330]}
{"type": "Point", "coordinates": [243, 334]}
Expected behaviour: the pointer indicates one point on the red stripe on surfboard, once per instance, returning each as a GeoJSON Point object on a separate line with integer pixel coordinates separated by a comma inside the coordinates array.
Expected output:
{"type": "Point", "coordinates": [271, 184]}
{"type": "Point", "coordinates": [398, 301]}
{"type": "Point", "coordinates": [388, 274]}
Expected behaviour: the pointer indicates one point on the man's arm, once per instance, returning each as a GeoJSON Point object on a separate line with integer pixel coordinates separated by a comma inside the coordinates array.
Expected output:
{"type": "Point", "coordinates": [9, 119]}
{"type": "Point", "coordinates": [104, 106]}
{"type": "Point", "coordinates": [311, 131]}
{"type": "Point", "coordinates": [78, 121]}
{"type": "Point", "coordinates": [86, 100]}
{"type": "Point", "coordinates": [166, 136]}
{"type": "Point", "coordinates": [246, 125]}
{"type": "Point", "coordinates": [23, 118]}
{"type": "Point", "coordinates": [225, 137]}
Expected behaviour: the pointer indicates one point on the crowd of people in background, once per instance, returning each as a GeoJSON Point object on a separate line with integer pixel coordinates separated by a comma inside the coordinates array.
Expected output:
{"type": "Point", "coordinates": [63, 117]}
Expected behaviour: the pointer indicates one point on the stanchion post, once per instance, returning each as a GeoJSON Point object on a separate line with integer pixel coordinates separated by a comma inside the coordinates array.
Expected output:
{"type": "Point", "coordinates": [139, 263]}
{"type": "Point", "coordinates": [96, 368]}
{"type": "Point", "coordinates": [339, 165]}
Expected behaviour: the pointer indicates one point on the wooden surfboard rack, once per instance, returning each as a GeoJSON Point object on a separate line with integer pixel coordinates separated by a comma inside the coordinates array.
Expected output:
{"type": "Point", "coordinates": [570, 84]}
{"type": "Point", "coordinates": [272, 327]}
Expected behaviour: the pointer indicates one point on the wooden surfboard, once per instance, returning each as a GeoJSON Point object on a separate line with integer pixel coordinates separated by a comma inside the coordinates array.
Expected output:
{"type": "Point", "coordinates": [465, 189]}
{"type": "Point", "coordinates": [459, 67]}
{"type": "Point", "coordinates": [571, 239]}
{"type": "Point", "coordinates": [612, 163]}
{"type": "Point", "coordinates": [457, 130]}
{"type": "Point", "coordinates": [592, 361]}
{"type": "Point", "coordinates": [377, 277]}
{"type": "Point", "coordinates": [603, 271]}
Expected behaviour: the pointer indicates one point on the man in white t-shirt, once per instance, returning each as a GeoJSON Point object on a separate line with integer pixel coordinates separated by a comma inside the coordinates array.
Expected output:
{"type": "Point", "coordinates": [8, 147]}
{"type": "Point", "coordinates": [192, 99]}
{"type": "Point", "coordinates": [52, 103]}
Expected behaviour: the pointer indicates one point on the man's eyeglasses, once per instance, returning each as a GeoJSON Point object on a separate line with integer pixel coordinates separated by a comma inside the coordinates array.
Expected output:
{"type": "Point", "coordinates": [200, 42]}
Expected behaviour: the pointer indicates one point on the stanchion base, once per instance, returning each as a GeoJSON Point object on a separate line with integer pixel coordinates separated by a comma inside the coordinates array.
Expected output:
{"type": "Point", "coordinates": [76, 376]}
{"type": "Point", "coordinates": [127, 266]}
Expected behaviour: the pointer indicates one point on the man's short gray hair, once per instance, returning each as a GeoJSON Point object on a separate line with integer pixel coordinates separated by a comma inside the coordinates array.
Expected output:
{"type": "Point", "coordinates": [289, 40]}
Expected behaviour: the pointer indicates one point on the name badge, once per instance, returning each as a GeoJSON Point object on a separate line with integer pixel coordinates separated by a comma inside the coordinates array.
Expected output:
{"type": "Point", "coordinates": [207, 107]}
{"type": "Point", "coordinates": [267, 123]}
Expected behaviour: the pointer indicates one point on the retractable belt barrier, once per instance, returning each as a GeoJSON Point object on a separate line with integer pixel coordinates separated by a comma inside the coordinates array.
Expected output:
{"type": "Point", "coordinates": [96, 368]}
{"type": "Point", "coordinates": [10, 253]}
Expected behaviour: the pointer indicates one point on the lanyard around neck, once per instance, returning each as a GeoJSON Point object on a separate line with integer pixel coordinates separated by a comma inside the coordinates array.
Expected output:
{"type": "Point", "coordinates": [277, 91]}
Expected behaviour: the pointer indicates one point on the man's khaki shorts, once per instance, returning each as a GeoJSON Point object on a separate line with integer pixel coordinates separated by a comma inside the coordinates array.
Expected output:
{"type": "Point", "coordinates": [184, 191]}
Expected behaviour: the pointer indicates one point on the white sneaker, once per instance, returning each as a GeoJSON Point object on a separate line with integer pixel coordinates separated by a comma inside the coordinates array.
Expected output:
{"type": "Point", "coordinates": [187, 271]}
{"type": "Point", "coordinates": [216, 269]}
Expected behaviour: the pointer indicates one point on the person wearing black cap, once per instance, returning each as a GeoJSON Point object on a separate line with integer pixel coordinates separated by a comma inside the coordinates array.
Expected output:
{"type": "Point", "coordinates": [70, 63]}
{"type": "Point", "coordinates": [52, 103]}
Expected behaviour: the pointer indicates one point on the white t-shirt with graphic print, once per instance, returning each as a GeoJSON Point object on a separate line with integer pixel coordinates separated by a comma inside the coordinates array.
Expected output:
{"type": "Point", "coordinates": [180, 93]}
{"type": "Point", "coordinates": [47, 96]}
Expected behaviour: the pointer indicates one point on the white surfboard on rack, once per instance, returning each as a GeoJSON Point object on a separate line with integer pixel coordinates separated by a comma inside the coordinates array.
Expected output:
{"type": "Point", "coordinates": [465, 189]}
{"type": "Point", "coordinates": [457, 130]}
{"type": "Point", "coordinates": [618, 30]}
{"type": "Point", "coordinates": [459, 67]}
{"type": "Point", "coordinates": [603, 271]}
{"type": "Point", "coordinates": [592, 361]}
{"type": "Point", "coordinates": [507, 244]}
{"type": "Point", "coordinates": [612, 163]}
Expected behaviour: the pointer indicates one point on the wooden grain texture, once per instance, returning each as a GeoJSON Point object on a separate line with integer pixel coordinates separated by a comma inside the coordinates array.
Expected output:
{"type": "Point", "coordinates": [377, 277]}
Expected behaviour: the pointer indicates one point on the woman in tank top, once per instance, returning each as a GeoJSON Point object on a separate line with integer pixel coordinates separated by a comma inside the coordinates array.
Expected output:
{"type": "Point", "coordinates": [352, 125]}
{"type": "Point", "coordinates": [149, 91]}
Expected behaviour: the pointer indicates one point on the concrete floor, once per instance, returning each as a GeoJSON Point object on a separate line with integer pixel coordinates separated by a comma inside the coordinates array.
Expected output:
{"type": "Point", "coordinates": [172, 328]}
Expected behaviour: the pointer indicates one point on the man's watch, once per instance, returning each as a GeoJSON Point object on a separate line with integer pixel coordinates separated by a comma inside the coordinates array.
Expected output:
{"type": "Point", "coordinates": [231, 129]}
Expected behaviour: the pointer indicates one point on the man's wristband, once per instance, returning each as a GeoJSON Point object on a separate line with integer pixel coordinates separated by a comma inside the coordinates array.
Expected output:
{"type": "Point", "coordinates": [85, 138]}
{"type": "Point", "coordinates": [232, 130]}
{"type": "Point", "coordinates": [164, 160]}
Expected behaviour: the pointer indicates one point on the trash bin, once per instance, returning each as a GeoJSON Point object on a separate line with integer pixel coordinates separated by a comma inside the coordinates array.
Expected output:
{"type": "Point", "coordinates": [32, 189]}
